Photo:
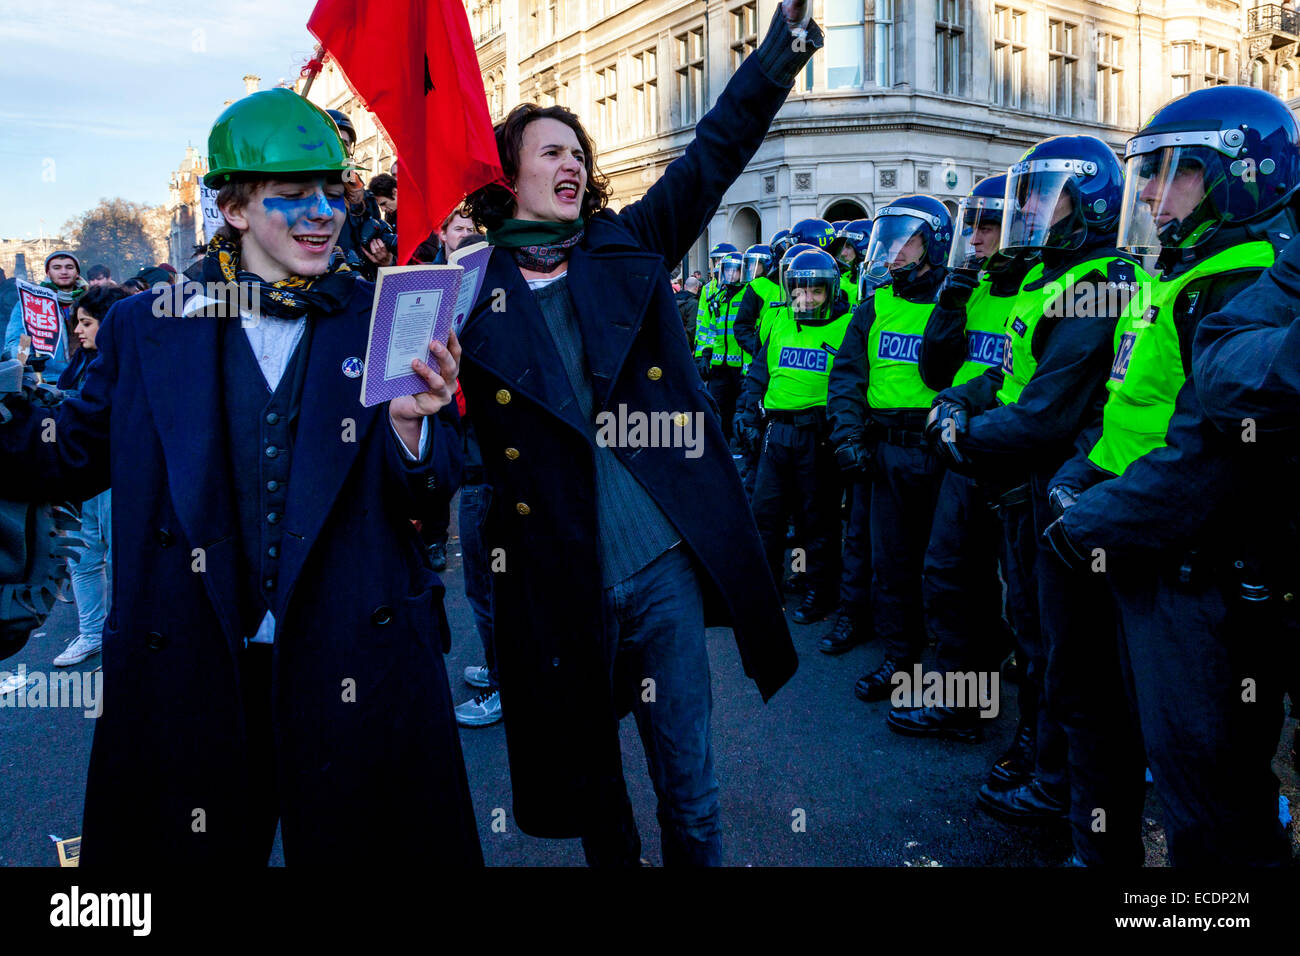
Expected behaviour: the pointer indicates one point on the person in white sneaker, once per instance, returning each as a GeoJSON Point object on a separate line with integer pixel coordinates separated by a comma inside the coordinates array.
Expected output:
{"type": "Point", "coordinates": [483, 709]}
{"type": "Point", "coordinates": [89, 571]}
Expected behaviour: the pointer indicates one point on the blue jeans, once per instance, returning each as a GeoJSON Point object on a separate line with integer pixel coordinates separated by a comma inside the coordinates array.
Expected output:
{"type": "Point", "coordinates": [89, 572]}
{"type": "Point", "coordinates": [474, 501]}
{"type": "Point", "coordinates": [656, 620]}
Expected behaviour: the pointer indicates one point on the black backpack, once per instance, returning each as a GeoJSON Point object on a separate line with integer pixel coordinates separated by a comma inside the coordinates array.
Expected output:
{"type": "Point", "coordinates": [35, 539]}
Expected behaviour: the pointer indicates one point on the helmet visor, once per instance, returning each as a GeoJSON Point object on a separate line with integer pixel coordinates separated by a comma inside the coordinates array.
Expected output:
{"type": "Point", "coordinates": [1041, 207]}
{"type": "Point", "coordinates": [756, 264]}
{"type": "Point", "coordinates": [1165, 200]}
{"type": "Point", "coordinates": [810, 292]}
{"type": "Point", "coordinates": [978, 232]}
{"type": "Point", "coordinates": [729, 271]}
{"type": "Point", "coordinates": [897, 243]}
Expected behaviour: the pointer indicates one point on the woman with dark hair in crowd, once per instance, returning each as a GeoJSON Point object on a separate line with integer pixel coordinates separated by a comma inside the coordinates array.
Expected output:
{"type": "Point", "coordinates": [89, 571]}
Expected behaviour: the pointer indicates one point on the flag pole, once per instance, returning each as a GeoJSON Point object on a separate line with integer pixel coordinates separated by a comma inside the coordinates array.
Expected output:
{"type": "Point", "coordinates": [313, 68]}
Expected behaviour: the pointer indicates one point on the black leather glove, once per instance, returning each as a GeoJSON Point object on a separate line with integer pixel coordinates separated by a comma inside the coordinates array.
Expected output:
{"type": "Point", "coordinates": [1058, 539]}
{"type": "Point", "coordinates": [855, 459]}
{"type": "Point", "coordinates": [957, 287]}
{"type": "Point", "coordinates": [944, 428]}
{"type": "Point", "coordinates": [1061, 498]}
{"type": "Point", "coordinates": [704, 362]}
{"type": "Point", "coordinates": [748, 437]}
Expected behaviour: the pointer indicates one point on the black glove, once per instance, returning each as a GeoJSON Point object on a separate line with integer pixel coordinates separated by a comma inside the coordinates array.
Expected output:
{"type": "Point", "coordinates": [1058, 539]}
{"type": "Point", "coordinates": [1061, 498]}
{"type": "Point", "coordinates": [704, 362]}
{"type": "Point", "coordinates": [855, 459]}
{"type": "Point", "coordinates": [748, 438]}
{"type": "Point", "coordinates": [957, 287]}
{"type": "Point", "coordinates": [944, 427]}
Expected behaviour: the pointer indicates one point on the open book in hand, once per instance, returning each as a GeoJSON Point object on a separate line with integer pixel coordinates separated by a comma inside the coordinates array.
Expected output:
{"type": "Point", "coordinates": [414, 306]}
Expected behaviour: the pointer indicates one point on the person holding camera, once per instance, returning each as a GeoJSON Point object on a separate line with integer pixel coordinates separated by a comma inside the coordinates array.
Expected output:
{"type": "Point", "coordinates": [367, 241]}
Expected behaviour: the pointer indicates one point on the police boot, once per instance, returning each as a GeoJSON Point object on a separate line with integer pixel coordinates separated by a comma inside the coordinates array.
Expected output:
{"type": "Point", "coordinates": [844, 635]}
{"type": "Point", "coordinates": [952, 723]}
{"type": "Point", "coordinates": [1016, 766]}
{"type": "Point", "coordinates": [1030, 804]}
{"type": "Point", "coordinates": [813, 608]}
{"type": "Point", "coordinates": [878, 685]}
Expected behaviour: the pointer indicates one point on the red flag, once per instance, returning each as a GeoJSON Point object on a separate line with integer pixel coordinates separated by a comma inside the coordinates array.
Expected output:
{"type": "Point", "coordinates": [412, 63]}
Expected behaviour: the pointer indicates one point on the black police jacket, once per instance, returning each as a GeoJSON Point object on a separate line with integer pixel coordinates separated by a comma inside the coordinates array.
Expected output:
{"type": "Point", "coordinates": [847, 403]}
{"type": "Point", "coordinates": [1037, 432]}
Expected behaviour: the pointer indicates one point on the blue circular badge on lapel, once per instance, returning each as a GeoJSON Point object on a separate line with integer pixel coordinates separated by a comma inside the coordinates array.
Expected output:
{"type": "Point", "coordinates": [352, 367]}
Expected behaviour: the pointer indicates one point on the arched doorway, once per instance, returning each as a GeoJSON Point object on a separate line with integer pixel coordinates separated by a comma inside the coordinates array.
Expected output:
{"type": "Point", "coordinates": [844, 209]}
{"type": "Point", "coordinates": [746, 228]}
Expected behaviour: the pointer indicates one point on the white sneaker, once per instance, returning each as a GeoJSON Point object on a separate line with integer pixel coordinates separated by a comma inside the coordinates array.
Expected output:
{"type": "Point", "coordinates": [84, 646]}
{"type": "Point", "coordinates": [483, 710]}
{"type": "Point", "coordinates": [478, 676]}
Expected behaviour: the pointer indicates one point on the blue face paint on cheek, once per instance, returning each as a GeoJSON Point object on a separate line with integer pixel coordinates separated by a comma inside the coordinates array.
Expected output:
{"type": "Point", "coordinates": [301, 210]}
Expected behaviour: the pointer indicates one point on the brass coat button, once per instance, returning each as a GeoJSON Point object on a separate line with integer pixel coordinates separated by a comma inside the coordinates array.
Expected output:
{"type": "Point", "coordinates": [512, 453]}
{"type": "Point", "coordinates": [523, 509]}
{"type": "Point", "coordinates": [1288, 597]}
{"type": "Point", "coordinates": [654, 373]}
{"type": "Point", "coordinates": [503, 397]}
{"type": "Point", "coordinates": [681, 419]}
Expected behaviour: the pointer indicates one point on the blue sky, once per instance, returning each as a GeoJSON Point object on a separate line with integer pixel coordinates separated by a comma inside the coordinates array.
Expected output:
{"type": "Point", "coordinates": [99, 98]}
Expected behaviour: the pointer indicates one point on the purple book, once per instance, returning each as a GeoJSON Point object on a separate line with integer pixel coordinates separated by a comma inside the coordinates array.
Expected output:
{"type": "Point", "coordinates": [413, 306]}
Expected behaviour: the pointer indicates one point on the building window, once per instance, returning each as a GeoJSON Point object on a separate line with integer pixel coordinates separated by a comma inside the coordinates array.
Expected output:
{"type": "Point", "coordinates": [1257, 74]}
{"type": "Point", "coordinates": [645, 93]}
{"type": "Point", "coordinates": [1008, 57]}
{"type": "Point", "coordinates": [1216, 66]}
{"type": "Point", "coordinates": [690, 75]}
{"type": "Point", "coordinates": [949, 35]}
{"type": "Point", "coordinates": [1061, 62]}
{"type": "Point", "coordinates": [607, 104]}
{"type": "Point", "coordinates": [1109, 78]}
{"type": "Point", "coordinates": [744, 33]}
{"type": "Point", "coordinates": [880, 34]}
{"type": "Point", "coordinates": [845, 44]}
{"type": "Point", "coordinates": [1285, 86]}
{"type": "Point", "coordinates": [1180, 61]}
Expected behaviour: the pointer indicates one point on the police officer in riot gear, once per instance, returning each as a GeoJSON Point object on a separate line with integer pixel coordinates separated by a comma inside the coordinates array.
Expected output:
{"type": "Point", "coordinates": [720, 359]}
{"type": "Point", "coordinates": [1017, 425]}
{"type": "Point", "coordinates": [878, 405]}
{"type": "Point", "coordinates": [963, 594]}
{"type": "Point", "coordinates": [849, 247]}
{"type": "Point", "coordinates": [1201, 582]}
{"type": "Point", "coordinates": [797, 474]}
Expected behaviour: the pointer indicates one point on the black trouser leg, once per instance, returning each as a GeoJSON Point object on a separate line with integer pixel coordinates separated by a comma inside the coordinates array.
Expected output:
{"type": "Point", "coordinates": [1085, 694]}
{"type": "Point", "coordinates": [902, 509]}
{"type": "Point", "coordinates": [774, 489]}
{"type": "Point", "coordinates": [1203, 668]}
{"type": "Point", "coordinates": [724, 386]}
{"type": "Point", "coordinates": [855, 578]}
{"type": "Point", "coordinates": [963, 595]}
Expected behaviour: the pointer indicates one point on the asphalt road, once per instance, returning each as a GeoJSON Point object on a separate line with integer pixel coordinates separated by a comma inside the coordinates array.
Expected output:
{"type": "Point", "coordinates": [868, 796]}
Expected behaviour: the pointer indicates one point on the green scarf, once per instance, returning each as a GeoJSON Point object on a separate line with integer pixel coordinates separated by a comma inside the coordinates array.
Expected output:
{"type": "Point", "coordinates": [517, 233]}
{"type": "Point", "coordinates": [68, 296]}
{"type": "Point", "coordinates": [538, 246]}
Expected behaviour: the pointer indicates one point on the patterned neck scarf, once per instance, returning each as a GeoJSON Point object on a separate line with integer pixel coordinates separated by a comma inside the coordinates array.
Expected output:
{"type": "Point", "coordinates": [290, 298]}
{"type": "Point", "coordinates": [538, 246]}
{"type": "Point", "coordinates": [68, 296]}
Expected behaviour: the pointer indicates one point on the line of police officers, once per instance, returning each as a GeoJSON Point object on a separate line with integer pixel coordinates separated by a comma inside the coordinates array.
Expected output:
{"type": "Point", "coordinates": [1011, 418]}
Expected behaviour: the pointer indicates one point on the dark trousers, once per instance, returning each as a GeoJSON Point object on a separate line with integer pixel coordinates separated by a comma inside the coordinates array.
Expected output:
{"type": "Point", "coordinates": [474, 501]}
{"type": "Point", "coordinates": [655, 620]}
{"type": "Point", "coordinates": [1019, 560]}
{"type": "Point", "coordinates": [963, 594]}
{"type": "Point", "coordinates": [902, 510]}
{"type": "Point", "coordinates": [435, 523]}
{"type": "Point", "coordinates": [263, 814]}
{"type": "Point", "coordinates": [855, 581]}
{"type": "Point", "coordinates": [724, 385]}
{"type": "Point", "coordinates": [1086, 697]}
{"type": "Point", "coordinates": [797, 475]}
{"type": "Point", "coordinates": [1185, 656]}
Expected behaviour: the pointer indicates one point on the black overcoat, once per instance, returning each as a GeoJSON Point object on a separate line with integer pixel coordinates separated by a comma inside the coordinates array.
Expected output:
{"type": "Point", "coordinates": [559, 698]}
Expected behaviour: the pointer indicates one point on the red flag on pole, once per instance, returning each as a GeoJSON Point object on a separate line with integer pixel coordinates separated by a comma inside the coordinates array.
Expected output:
{"type": "Point", "coordinates": [412, 63]}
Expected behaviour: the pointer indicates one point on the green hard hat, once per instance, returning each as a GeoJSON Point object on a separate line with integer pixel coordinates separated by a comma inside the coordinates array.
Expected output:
{"type": "Point", "coordinates": [273, 131]}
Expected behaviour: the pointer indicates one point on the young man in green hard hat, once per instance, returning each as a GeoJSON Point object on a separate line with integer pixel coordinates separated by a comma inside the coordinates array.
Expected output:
{"type": "Point", "coordinates": [275, 643]}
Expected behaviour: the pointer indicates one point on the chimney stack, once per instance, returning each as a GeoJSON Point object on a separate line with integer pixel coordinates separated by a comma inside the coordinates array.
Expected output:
{"type": "Point", "coordinates": [251, 83]}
